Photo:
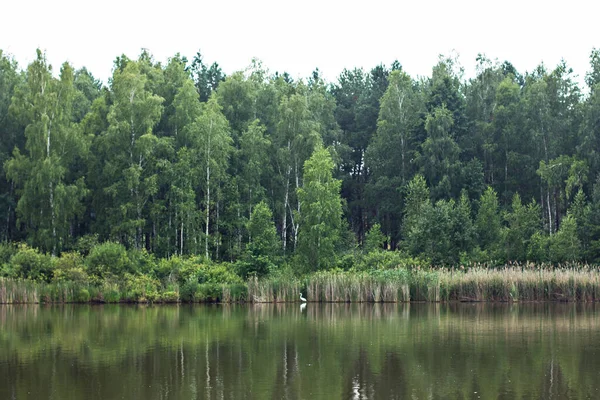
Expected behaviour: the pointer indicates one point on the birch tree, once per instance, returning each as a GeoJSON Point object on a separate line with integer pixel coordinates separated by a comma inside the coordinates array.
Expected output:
{"type": "Point", "coordinates": [391, 151]}
{"type": "Point", "coordinates": [128, 146]}
{"type": "Point", "coordinates": [48, 202]}
{"type": "Point", "coordinates": [321, 215]}
{"type": "Point", "coordinates": [294, 140]}
{"type": "Point", "coordinates": [212, 141]}
{"type": "Point", "coordinates": [11, 136]}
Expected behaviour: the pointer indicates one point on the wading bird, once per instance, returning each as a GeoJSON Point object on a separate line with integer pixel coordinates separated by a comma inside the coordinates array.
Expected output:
{"type": "Point", "coordinates": [302, 298]}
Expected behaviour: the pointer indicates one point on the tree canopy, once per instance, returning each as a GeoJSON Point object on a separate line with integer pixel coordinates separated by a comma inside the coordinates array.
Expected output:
{"type": "Point", "coordinates": [256, 167]}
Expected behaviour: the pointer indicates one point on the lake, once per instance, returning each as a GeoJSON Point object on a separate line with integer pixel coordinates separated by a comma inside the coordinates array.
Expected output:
{"type": "Point", "coordinates": [322, 351]}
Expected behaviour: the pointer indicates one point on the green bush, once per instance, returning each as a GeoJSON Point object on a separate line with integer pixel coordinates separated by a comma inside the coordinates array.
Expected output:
{"type": "Point", "coordinates": [141, 288]}
{"type": "Point", "coordinates": [70, 268]}
{"type": "Point", "coordinates": [107, 259]}
{"type": "Point", "coordinates": [86, 243]}
{"type": "Point", "coordinates": [167, 269]}
{"type": "Point", "coordinates": [253, 265]}
{"type": "Point", "coordinates": [388, 260]}
{"type": "Point", "coordinates": [193, 271]}
{"type": "Point", "coordinates": [188, 291]}
{"type": "Point", "coordinates": [108, 293]}
{"type": "Point", "coordinates": [140, 261]}
{"type": "Point", "coordinates": [82, 296]}
{"type": "Point", "coordinates": [29, 263]}
{"type": "Point", "coordinates": [169, 297]}
{"type": "Point", "coordinates": [112, 296]}
{"type": "Point", "coordinates": [346, 262]}
{"type": "Point", "coordinates": [218, 274]}
{"type": "Point", "coordinates": [235, 293]}
{"type": "Point", "coordinates": [209, 292]}
{"type": "Point", "coordinates": [186, 269]}
{"type": "Point", "coordinates": [7, 250]}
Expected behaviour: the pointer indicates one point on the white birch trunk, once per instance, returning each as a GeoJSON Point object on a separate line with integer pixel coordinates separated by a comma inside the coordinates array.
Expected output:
{"type": "Point", "coordinates": [207, 188]}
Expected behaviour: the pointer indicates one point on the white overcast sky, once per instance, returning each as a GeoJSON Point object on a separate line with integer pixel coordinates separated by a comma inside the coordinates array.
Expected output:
{"type": "Point", "coordinates": [297, 36]}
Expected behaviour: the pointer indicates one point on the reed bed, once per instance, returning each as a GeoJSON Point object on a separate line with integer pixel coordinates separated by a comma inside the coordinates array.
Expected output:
{"type": "Point", "coordinates": [18, 291]}
{"type": "Point", "coordinates": [521, 284]}
{"type": "Point", "coordinates": [476, 283]}
{"type": "Point", "coordinates": [380, 286]}
{"type": "Point", "coordinates": [274, 290]}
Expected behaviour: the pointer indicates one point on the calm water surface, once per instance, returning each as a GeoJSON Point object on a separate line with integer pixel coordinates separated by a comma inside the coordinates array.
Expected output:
{"type": "Point", "coordinates": [330, 351]}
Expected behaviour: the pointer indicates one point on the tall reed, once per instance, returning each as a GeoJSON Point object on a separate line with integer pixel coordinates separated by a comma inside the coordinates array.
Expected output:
{"type": "Point", "coordinates": [521, 283]}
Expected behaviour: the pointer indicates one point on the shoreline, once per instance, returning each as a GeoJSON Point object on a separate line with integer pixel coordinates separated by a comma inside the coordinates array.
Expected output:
{"type": "Point", "coordinates": [474, 285]}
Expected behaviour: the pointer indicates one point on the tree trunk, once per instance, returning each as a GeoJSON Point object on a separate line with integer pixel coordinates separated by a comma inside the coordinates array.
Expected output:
{"type": "Point", "coordinates": [207, 189]}
{"type": "Point", "coordinates": [217, 237]}
{"type": "Point", "coordinates": [549, 211]}
{"type": "Point", "coordinates": [295, 221]}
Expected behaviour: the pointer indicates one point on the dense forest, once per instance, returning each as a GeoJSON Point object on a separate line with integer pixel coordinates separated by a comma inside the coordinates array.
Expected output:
{"type": "Point", "coordinates": [259, 170]}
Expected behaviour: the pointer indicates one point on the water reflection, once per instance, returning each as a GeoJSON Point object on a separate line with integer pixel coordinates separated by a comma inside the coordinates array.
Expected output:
{"type": "Point", "coordinates": [420, 351]}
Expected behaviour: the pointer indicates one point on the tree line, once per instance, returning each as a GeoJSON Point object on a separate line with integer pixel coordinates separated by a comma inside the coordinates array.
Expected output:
{"type": "Point", "coordinates": [257, 168]}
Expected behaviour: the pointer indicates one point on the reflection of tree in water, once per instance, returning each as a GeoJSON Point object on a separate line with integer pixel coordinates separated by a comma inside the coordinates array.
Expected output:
{"type": "Point", "coordinates": [280, 352]}
{"type": "Point", "coordinates": [361, 382]}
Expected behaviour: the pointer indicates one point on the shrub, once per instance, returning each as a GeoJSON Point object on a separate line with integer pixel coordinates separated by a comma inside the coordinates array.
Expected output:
{"type": "Point", "coordinates": [388, 260]}
{"type": "Point", "coordinates": [82, 296]}
{"type": "Point", "coordinates": [167, 269]}
{"type": "Point", "coordinates": [29, 263]}
{"type": "Point", "coordinates": [253, 265]}
{"type": "Point", "coordinates": [70, 267]}
{"type": "Point", "coordinates": [86, 243]}
{"type": "Point", "coordinates": [107, 259]}
{"type": "Point", "coordinates": [188, 291]}
{"type": "Point", "coordinates": [170, 297]}
{"type": "Point", "coordinates": [140, 261]}
{"type": "Point", "coordinates": [141, 288]}
{"type": "Point", "coordinates": [217, 274]}
{"type": "Point", "coordinates": [7, 250]}
{"type": "Point", "coordinates": [112, 296]}
{"type": "Point", "coordinates": [108, 293]}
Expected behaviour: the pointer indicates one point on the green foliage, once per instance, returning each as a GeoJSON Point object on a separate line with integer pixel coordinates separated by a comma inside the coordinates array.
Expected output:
{"type": "Point", "coordinates": [263, 247]}
{"type": "Point", "coordinates": [383, 260]}
{"type": "Point", "coordinates": [82, 296]}
{"type": "Point", "coordinates": [85, 244]}
{"type": "Point", "coordinates": [70, 267]}
{"type": "Point", "coordinates": [140, 261]}
{"type": "Point", "coordinates": [565, 245]}
{"type": "Point", "coordinates": [7, 250]}
{"type": "Point", "coordinates": [440, 153]}
{"type": "Point", "coordinates": [321, 214]}
{"type": "Point", "coordinates": [431, 236]}
{"type": "Point", "coordinates": [107, 260]}
{"type": "Point", "coordinates": [29, 263]}
{"type": "Point", "coordinates": [417, 199]}
{"type": "Point", "coordinates": [141, 288]}
{"type": "Point", "coordinates": [374, 239]}
{"type": "Point", "coordinates": [276, 175]}
{"type": "Point", "coordinates": [523, 223]}
{"type": "Point", "coordinates": [488, 223]}
{"type": "Point", "coordinates": [463, 236]}
{"type": "Point", "coordinates": [49, 197]}
{"type": "Point", "coordinates": [128, 151]}
{"type": "Point", "coordinates": [539, 247]}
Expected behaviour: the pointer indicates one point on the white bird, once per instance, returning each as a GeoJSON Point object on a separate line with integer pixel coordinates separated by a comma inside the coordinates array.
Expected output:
{"type": "Point", "coordinates": [302, 298]}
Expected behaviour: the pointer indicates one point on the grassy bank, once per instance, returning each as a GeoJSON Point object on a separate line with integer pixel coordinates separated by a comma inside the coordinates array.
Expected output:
{"type": "Point", "coordinates": [20, 291]}
{"type": "Point", "coordinates": [108, 273]}
{"type": "Point", "coordinates": [573, 284]}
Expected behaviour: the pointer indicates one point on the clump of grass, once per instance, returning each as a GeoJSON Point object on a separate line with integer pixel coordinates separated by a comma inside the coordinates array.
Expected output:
{"type": "Point", "coordinates": [374, 286]}
{"type": "Point", "coordinates": [274, 289]}
{"type": "Point", "coordinates": [522, 283]}
{"type": "Point", "coordinates": [18, 291]}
